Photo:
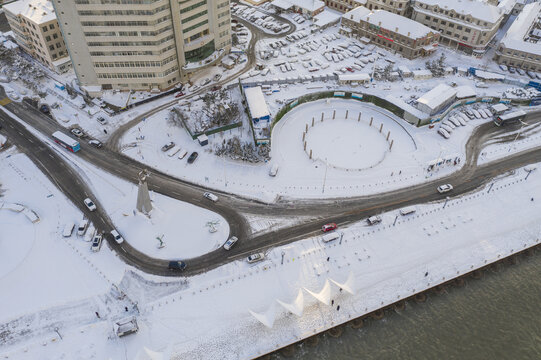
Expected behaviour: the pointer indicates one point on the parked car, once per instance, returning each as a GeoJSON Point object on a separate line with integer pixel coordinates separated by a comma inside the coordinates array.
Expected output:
{"type": "Point", "coordinates": [503, 67]}
{"type": "Point", "coordinates": [77, 132]}
{"type": "Point", "coordinates": [255, 258]}
{"type": "Point", "coordinates": [179, 94]}
{"type": "Point", "coordinates": [81, 229]}
{"type": "Point", "coordinates": [512, 70]}
{"type": "Point", "coordinates": [44, 108]}
{"type": "Point", "coordinates": [520, 71]}
{"type": "Point", "coordinates": [118, 238]}
{"type": "Point", "coordinates": [230, 242]}
{"type": "Point", "coordinates": [177, 265]}
{"type": "Point", "coordinates": [95, 143]}
{"type": "Point", "coordinates": [168, 146]}
{"type": "Point", "coordinates": [192, 157]}
{"type": "Point", "coordinates": [205, 81]}
{"type": "Point", "coordinates": [96, 243]}
{"type": "Point", "coordinates": [328, 227]}
{"type": "Point", "coordinates": [373, 220]}
{"type": "Point", "coordinates": [89, 204]}
{"type": "Point", "coordinates": [445, 188]}
{"type": "Point", "coordinates": [101, 120]}
{"type": "Point", "coordinates": [217, 77]}
{"type": "Point", "coordinates": [211, 196]}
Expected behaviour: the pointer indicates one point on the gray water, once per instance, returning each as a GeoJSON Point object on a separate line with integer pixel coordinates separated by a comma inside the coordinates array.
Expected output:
{"type": "Point", "coordinates": [495, 317]}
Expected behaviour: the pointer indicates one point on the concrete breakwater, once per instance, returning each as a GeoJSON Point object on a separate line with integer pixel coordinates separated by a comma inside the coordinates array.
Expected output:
{"type": "Point", "coordinates": [502, 261]}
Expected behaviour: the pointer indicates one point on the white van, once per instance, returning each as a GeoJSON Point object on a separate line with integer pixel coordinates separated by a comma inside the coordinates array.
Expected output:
{"type": "Point", "coordinates": [274, 170]}
{"type": "Point", "coordinates": [408, 210]}
{"type": "Point", "coordinates": [68, 229]}
{"type": "Point", "coordinates": [331, 236]}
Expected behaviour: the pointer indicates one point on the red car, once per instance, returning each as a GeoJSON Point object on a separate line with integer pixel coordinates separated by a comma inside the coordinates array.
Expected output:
{"type": "Point", "coordinates": [179, 94]}
{"type": "Point", "coordinates": [328, 227]}
{"type": "Point", "coordinates": [349, 69]}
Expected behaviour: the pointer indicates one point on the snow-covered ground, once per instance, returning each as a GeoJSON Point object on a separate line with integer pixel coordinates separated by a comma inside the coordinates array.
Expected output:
{"type": "Point", "coordinates": [281, 303]}
{"type": "Point", "coordinates": [356, 164]}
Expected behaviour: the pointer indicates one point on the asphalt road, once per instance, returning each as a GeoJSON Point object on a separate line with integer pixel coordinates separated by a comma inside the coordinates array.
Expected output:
{"type": "Point", "coordinates": [341, 211]}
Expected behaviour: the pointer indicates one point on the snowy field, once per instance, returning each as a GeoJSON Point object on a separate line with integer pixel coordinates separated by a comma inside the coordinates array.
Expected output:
{"type": "Point", "coordinates": [282, 303]}
{"type": "Point", "coordinates": [356, 165]}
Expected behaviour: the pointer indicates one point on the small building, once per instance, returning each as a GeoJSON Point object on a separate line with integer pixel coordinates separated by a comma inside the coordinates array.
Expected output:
{"type": "Point", "coordinates": [360, 78]}
{"type": "Point", "coordinates": [228, 62]}
{"type": "Point", "coordinates": [203, 140]}
{"type": "Point", "coordinates": [436, 99]}
{"type": "Point", "coordinates": [390, 31]}
{"type": "Point", "coordinates": [257, 106]}
{"type": "Point", "coordinates": [465, 92]}
{"type": "Point", "coordinates": [404, 71]}
{"type": "Point", "coordinates": [126, 326]}
{"type": "Point", "coordinates": [422, 74]}
{"type": "Point", "coordinates": [499, 108]}
{"type": "Point", "coordinates": [306, 7]}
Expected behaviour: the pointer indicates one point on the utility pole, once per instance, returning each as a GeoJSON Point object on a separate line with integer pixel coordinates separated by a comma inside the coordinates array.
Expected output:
{"type": "Point", "coordinates": [446, 200]}
{"type": "Point", "coordinates": [324, 177]}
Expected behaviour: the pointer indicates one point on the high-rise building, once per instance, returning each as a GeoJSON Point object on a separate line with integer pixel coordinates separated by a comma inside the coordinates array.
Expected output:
{"type": "Point", "coordinates": [142, 44]}
{"type": "Point", "coordinates": [36, 31]}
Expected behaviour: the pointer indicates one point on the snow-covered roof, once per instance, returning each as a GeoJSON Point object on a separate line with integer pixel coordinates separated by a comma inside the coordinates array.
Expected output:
{"type": "Point", "coordinates": [465, 91]}
{"type": "Point", "coordinates": [38, 11]}
{"type": "Point", "coordinates": [514, 38]}
{"type": "Point", "coordinates": [475, 8]}
{"type": "Point", "coordinates": [437, 96]}
{"type": "Point", "coordinates": [507, 5]}
{"type": "Point", "coordinates": [422, 72]}
{"type": "Point", "coordinates": [390, 21]}
{"type": "Point", "coordinates": [404, 69]}
{"type": "Point", "coordinates": [489, 75]}
{"type": "Point", "coordinates": [326, 17]}
{"type": "Point", "coordinates": [407, 107]}
{"type": "Point", "coordinates": [308, 5]}
{"type": "Point", "coordinates": [256, 102]}
{"type": "Point", "coordinates": [354, 77]}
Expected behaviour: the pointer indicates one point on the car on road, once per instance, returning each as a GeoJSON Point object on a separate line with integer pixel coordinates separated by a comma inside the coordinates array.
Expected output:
{"type": "Point", "coordinates": [217, 77]}
{"type": "Point", "coordinates": [90, 204]}
{"type": "Point", "coordinates": [216, 88]}
{"type": "Point", "coordinates": [179, 94]}
{"type": "Point", "coordinates": [95, 143]}
{"type": "Point", "coordinates": [445, 188]}
{"type": "Point", "coordinates": [373, 220]}
{"type": "Point", "coordinates": [255, 258]}
{"type": "Point", "coordinates": [101, 120]}
{"type": "Point", "coordinates": [205, 81]}
{"type": "Point", "coordinates": [81, 229]}
{"type": "Point", "coordinates": [96, 242]}
{"type": "Point", "coordinates": [211, 196]}
{"type": "Point", "coordinates": [177, 265]}
{"type": "Point", "coordinates": [168, 146]}
{"type": "Point", "coordinates": [192, 157]}
{"type": "Point", "coordinates": [77, 132]}
{"type": "Point", "coordinates": [230, 242]}
{"type": "Point", "coordinates": [118, 238]}
{"type": "Point", "coordinates": [328, 227]}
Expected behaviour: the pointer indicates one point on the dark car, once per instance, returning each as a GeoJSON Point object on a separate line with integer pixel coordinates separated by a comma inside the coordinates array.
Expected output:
{"type": "Point", "coordinates": [177, 265]}
{"type": "Point", "coordinates": [168, 146]}
{"type": "Point", "coordinates": [192, 157]}
{"type": "Point", "coordinates": [44, 108]}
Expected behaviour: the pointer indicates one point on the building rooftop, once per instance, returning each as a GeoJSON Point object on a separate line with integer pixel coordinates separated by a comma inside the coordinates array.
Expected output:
{"type": "Point", "coordinates": [38, 11]}
{"type": "Point", "coordinates": [437, 96]}
{"type": "Point", "coordinates": [256, 102]}
{"type": "Point", "coordinates": [476, 8]}
{"type": "Point", "coordinates": [390, 21]}
{"type": "Point", "coordinates": [519, 30]}
{"type": "Point", "coordinates": [308, 5]}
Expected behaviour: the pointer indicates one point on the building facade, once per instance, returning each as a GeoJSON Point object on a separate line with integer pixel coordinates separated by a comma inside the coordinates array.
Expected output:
{"type": "Point", "coordinates": [467, 25]}
{"type": "Point", "coordinates": [143, 44]}
{"type": "Point", "coordinates": [36, 31]}
{"type": "Point", "coordinates": [344, 5]}
{"type": "Point", "coordinates": [400, 7]}
{"type": "Point", "coordinates": [390, 31]}
{"type": "Point", "coordinates": [521, 45]}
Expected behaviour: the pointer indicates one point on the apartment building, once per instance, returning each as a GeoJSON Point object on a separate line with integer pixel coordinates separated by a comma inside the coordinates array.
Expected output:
{"type": "Point", "coordinates": [467, 25]}
{"type": "Point", "coordinates": [344, 5]}
{"type": "Point", "coordinates": [400, 7]}
{"type": "Point", "coordinates": [391, 31]}
{"type": "Point", "coordinates": [36, 31]}
{"type": "Point", "coordinates": [143, 44]}
{"type": "Point", "coordinates": [521, 45]}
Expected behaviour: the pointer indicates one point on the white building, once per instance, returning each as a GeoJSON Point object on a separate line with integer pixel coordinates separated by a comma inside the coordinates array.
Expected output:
{"type": "Point", "coordinates": [143, 44]}
{"type": "Point", "coordinates": [257, 106]}
{"type": "Point", "coordinates": [36, 31]}
{"type": "Point", "coordinates": [436, 99]}
{"type": "Point", "coordinates": [307, 7]}
{"type": "Point", "coordinates": [521, 45]}
{"type": "Point", "coordinates": [467, 25]}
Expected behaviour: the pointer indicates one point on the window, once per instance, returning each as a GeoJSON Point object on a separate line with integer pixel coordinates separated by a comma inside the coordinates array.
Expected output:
{"type": "Point", "coordinates": [51, 47]}
{"type": "Point", "coordinates": [468, 30]}
{"type": "Point", "coordinates": [55, 36]}
{"type": "Point", "coordinates": [51, 26]}
{"type": "Point", "coordinates": [48, 38]}
{"type": "Point", "coordinates": [44, 29]}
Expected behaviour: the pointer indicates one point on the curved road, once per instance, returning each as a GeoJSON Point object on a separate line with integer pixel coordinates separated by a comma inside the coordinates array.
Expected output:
{"type": "Point", "coordinates": [341, 211]}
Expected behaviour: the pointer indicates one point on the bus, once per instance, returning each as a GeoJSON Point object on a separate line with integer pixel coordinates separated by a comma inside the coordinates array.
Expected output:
{"type": "Point", "coordinates": [65, 141]}
{"type": "Point", "coordinates": [510, 118]}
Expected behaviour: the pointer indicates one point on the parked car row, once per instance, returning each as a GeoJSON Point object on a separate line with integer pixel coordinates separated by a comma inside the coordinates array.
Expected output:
{"type": "Point", "coordinates": [171, 149]}
{"type": "Point", "coordinates": [529, 73]}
